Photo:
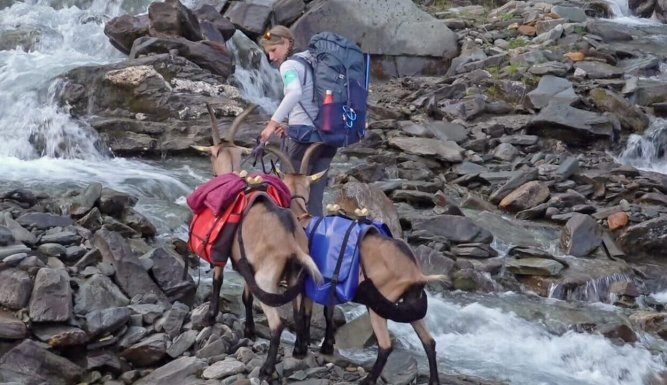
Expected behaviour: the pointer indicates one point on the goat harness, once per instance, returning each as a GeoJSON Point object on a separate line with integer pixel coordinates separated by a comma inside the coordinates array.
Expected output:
{"type": "Point", "coordinates": [334, 243]}
{"type": "Point", "coordinates": [219, 206]}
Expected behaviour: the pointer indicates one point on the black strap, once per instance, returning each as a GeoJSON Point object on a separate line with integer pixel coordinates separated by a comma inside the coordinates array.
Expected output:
{"type": "Point", "coordinates": [310, 236]}
{"type": "Point", "coordinates": [339, 262]}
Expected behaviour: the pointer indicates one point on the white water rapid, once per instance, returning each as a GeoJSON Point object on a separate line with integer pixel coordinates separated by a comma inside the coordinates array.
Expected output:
{"type": "Point", "coordinates": [43, 149]}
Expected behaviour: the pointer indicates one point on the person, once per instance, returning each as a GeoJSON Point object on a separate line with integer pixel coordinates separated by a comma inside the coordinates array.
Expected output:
{"type": "Point", "coordinates": [298, 108]}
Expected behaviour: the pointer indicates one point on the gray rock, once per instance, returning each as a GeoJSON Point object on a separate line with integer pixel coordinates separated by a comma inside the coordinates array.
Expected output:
{"type": "Point", "coordinates": [29, 364]}
{"type": "Point", "coordinates": [51, 299]}
{"type": "Point", "coordinates": [554, 68]}
{"type": "Point", "coordinates": [453, 228]}
{"type": "Point", "coordinates": [403, 18]}
{"type": "Point", "coordinates": [567, 168]}
{"type": "Point", "coordinates": [133, 335]}
{"type": "Point", "coordinates": [581, 235]}
{"type": "Point", "coordinates": [101, 322]}
{"type": "Point", "coordinates": [182, 371]}
{"type": "Point", "coordinates": [573, 14]}
{"type": "Point", "coordinates": [6, 236]}
{"type": "Point", "coordinates": [60, 336]}
{"type": "Point", "coordinates": [357, 333]}
{"type": "Point", "coordinates": [20, 233]}
{"type": "Point", "coordinates": [11, 328]}
{"type": "Point", "coordinates": [599, 70]}
{"type": "Point", "coordinates": [66, 237]}
{"type": "Point", "coordinates": [445, 150]}
{"type": "Point", "coordinates": [43, 221]}
{"type": "Point", "coordinates": [167, 269]}
{"type": "Point", "coordinates": [130, 275]}
{"type": "Point", "coordinates": [15, 288]}
{"type": "Point", "coordinates": [505, 151]}
{"type": "Point", "coordinates": [147, 352]}
{"type": "Point", "coordinates": [52, 249]}
{"type": "Point", "coordinates": [6, 251]}
{"type": "Point", "coordinates": [182, 343]}
{"type": "Point", "coordinates": [83, 203]}
{"type": "Point", "coordinates": [641, 240]}
{"type": "Point", "coordinates": [225, 368]}
{"type": "Point", "coordinates": [573, 126]}
{"type": "Point", "coordinates": [534, 266]}
{"type": "Point", "coordinates": [525, 197]}
{"type": "Point", "coordinates": [552, 89]}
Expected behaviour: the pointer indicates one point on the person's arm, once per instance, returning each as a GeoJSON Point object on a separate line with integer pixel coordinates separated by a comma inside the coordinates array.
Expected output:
{"type": "Point", "coordinates": [289, 72]}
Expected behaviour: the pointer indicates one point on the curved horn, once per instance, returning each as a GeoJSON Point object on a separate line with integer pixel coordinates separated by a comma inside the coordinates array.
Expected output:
{"type": "Point", "coordinates": [237, 123]}
{"type": "Point", "coordinates": [215, 134]}
{"type": "Point", "coordinates": [285, 162]}
{"type": "Point", "coordinates": [306, 157]}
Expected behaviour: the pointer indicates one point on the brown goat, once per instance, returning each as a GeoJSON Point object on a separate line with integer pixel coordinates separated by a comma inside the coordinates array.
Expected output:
{"type": "Point", "coordinates": [388, 263]}
{"type": "Point", "coordinates": [265, 246]}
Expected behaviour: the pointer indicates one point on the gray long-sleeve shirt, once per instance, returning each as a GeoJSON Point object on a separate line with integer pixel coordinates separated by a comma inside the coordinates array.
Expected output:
{"type": "Point", "coordinates": [293, 72]}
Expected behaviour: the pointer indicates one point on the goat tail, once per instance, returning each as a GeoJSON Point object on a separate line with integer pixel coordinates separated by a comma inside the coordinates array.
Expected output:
{"type": "Point", "coordinates": [307, 261]}
{"type": "Point", "coordinates": [434, 278]}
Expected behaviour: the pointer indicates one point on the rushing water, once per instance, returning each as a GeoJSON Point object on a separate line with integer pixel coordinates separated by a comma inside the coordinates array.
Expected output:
{"type": "Point", "coordinates": [43, 149]}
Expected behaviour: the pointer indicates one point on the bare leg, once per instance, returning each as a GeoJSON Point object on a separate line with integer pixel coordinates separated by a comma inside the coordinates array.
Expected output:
{"type": "Point", "coordinates": [429, 346]}
{"type": "Point", "coordinates": [214, 304]}
{"type": "Point", "coordinates": [381, 331]}
{"type": "Point", "coordinates": [249, 329]}
{"type": "Point", "coordinates": [329, 339]}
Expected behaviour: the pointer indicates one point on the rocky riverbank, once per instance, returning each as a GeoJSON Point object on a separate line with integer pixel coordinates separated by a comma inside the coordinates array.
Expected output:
{"type": "Point", "coordinates": [507, 126]}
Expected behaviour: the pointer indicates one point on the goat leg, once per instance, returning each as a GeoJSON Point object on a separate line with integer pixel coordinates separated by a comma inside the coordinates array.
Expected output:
{"type": "Point", "coordinates": [302, 325]}
{"type": "Point", "coordinates": [429, 346]}
{"type": "Point", "coordinates": [249, 328]}
{"type": "Point", "coordinates": [276, 327]}
{"type": "Point", "coordinates": [381, 331]}
{"type": "Point", "coordinates": [329, 339]}
{"type": "Point", "coordinates": [214, 304]}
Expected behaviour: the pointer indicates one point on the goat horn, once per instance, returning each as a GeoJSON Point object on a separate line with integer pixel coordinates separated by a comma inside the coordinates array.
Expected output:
{"type": "Point", "coordinates": [215, 134]}
{"type": "Point", "coordinates": [306, 157]}
{"type": "Point", "coordinates": [284, 159]}
{"type": "Point", "coordinates": [237, 123]}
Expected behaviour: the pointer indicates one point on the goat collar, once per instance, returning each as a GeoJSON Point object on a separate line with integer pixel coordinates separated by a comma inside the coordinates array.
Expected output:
{"type": "Point", "coordinates": [304, 210]}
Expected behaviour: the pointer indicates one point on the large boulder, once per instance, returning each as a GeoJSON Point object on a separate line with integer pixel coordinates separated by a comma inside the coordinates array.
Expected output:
{"type": "Point", "coordinates": [29, 364]}
{"type": "Point", "coordinates": [571, 125]}
{"type": "Point", "coordinates": [645, 239]}
{"type": "Point", "coordinates": [404, 39]}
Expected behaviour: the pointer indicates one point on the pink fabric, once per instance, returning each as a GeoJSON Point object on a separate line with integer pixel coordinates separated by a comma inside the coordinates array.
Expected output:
{"type": "Point", "coordinates": [218, 193]}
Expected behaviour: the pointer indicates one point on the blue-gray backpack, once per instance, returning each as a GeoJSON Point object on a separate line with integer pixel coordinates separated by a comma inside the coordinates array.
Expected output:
{"type": "Point", "coordinates": [339, 65]}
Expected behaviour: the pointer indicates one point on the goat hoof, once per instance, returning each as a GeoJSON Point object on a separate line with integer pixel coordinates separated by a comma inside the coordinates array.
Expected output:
{"type": "Point", "coordinates": [300, 352]}
{"type": "Point", "coordinates": [266, 374]}
{"type": "Point", "coordinates": [327, 349]}
{"type": "Point", "coordinates": [209, 320]}
{"type": "Point", "coordinates": [249, 333]}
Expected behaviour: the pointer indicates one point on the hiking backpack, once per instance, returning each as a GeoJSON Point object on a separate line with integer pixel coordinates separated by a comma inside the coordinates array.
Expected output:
{"type": "Point", "coordinates": [340, 66]}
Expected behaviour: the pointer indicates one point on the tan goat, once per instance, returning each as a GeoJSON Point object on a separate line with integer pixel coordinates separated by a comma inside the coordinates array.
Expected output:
{"type": "Point", "coordinates": [388, 264]}
{"type": "Point", "coordinates": [265, 246]}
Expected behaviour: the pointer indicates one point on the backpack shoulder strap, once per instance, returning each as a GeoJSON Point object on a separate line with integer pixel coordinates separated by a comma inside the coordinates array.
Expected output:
{"type": "Point", "coordinates": [306, 63]}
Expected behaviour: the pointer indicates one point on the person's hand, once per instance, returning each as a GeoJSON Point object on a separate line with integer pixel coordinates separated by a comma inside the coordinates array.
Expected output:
{"type": "Point", "coordinates": [281, 130]}
{"type": "Point", "coordinates": [268, 130]}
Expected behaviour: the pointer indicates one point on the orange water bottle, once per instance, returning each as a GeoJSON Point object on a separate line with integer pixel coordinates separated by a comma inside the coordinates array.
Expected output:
{"type": "Point", "coordinates": [327, 111]}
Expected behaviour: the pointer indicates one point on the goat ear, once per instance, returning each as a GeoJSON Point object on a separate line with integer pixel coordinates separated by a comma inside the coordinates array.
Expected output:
{"type": "Point", "coordinates": [315, 177]}
{"type": "Point", "coordinates": [203, 149]}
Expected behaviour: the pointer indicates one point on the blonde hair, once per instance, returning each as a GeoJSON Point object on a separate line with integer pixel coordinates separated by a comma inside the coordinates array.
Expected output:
{"type": "Point", "coordinates": [275, 36]}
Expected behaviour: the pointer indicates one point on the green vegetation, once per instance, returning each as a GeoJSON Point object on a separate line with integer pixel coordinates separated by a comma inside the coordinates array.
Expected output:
{"type": "Point", "coordinates": [517, 42]}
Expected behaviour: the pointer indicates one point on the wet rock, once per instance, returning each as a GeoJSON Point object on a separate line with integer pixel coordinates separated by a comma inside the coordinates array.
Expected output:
{"type": "Point", "coordinates": [453, 228]}
{"type": "Point", "coordinates": [645, 238]}
{"type": "Point", "coordinates": [83, 203]}
{"type": "Point", "coordinates": [123, 30]}
{"type": "Point", "coordinates": [113, 202]}
{"type": "Point", "coordinates": [43, 221]}
{"type": "Point", "coordinates": [581, 235]}
{"type": "Point", "coordinates": [51, 299]}
{"type": "Point", "coordinates": [534, 266]}
{"type": "Point", "coordinates": [526, 196]}
{"type": "Point", "coordinates": [573, 14]}
{"type": "Point", "coordinates": [20, 234]}
{"type": "Point", "coordinates": [357, 333]}
{"type": "Point", "coordinates": [28, 363]}
{"type": "Point", "coordinates": [630, 116]}
{"type": "Point", "coordinates": [432, 261]}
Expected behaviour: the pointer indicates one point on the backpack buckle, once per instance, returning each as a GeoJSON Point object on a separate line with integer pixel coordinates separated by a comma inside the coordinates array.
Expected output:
{"type": "Point", "coordinates": [349, 116]}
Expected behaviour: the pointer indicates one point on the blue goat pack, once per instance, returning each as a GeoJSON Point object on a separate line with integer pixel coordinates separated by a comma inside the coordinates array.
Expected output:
{"type": "Point", "coordinates": [334, 245]}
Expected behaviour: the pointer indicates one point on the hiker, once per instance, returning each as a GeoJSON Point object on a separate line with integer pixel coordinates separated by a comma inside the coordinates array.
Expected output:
{"type": "Point", "coordinates": [297, 107]}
